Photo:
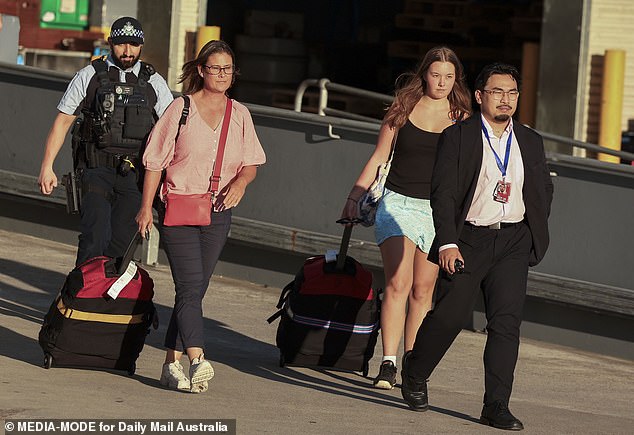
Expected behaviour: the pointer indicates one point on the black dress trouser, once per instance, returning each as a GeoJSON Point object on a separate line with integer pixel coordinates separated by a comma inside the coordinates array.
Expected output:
{"type": "Point", "coordinates": [496, 262]}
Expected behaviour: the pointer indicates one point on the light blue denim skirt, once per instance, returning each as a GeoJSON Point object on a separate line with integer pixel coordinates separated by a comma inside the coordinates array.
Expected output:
{"type": "Point", "coordinates": [399, 215]}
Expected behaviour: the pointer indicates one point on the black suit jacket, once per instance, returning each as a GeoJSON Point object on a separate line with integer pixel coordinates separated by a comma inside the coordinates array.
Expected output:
{"type": "Point", "coordinates": [455, 175]}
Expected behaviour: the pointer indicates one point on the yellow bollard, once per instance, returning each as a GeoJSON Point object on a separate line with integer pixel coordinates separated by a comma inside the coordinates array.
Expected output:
{"type": "Point", "coordinates": [206, 34]}
{"type": "Point", "coordinates": [612, 103]}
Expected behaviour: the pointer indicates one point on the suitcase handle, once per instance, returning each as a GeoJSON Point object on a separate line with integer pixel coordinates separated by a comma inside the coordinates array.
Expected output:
{"type": "Point", "coordinates": [343, 249]}
{"type": "Point", "coordinates": [129, 252]}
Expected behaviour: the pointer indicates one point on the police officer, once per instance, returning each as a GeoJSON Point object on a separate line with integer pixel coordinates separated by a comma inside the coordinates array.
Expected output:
{"type": "Point", "coordinates": [120, 98]}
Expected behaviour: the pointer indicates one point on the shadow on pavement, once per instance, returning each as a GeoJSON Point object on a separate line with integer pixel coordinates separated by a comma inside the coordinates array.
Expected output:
{"type": "Point", "coordinates": [229, 347]}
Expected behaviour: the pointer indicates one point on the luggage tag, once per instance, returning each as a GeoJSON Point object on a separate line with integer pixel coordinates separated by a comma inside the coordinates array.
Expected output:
{"type": "Point", "coordinates": [331, 255]}
{"type": "Point", "coordinates": [502, 192]}
{"type": "Point", "coordinates": [122, 281]}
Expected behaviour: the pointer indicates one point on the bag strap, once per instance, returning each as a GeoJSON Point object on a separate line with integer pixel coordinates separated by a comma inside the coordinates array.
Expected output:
{"type": "Point", "coordinates": [393, 145]}
{"type": "Point", "coordinates": [182, 121]}
{"type": "Point", "coordinates": [280, 304]}
{"type": "Point", "coordinates": [215, 176]}
{"type": "Point", "coordinates": [184, 115]}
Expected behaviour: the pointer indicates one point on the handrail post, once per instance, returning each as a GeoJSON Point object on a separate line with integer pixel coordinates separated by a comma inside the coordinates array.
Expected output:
{"type": "Point", "coordinates": [301, 89]}
{"type": "Point", "coordinates": [323, 96]}
{"type": "Point", "coordinates": [323, 104]}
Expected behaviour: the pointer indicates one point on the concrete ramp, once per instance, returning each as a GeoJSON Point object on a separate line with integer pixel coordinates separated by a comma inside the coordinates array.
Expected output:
{"type": "Point", "coordinates": [557, 390]}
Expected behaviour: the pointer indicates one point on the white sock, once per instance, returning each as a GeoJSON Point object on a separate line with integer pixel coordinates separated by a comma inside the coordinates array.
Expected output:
{"type": "Point", "coordinates": [390, 358]}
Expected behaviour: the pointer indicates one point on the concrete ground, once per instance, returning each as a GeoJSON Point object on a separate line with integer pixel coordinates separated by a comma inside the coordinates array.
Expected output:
{"type": "Point", "coordinates": [557, 390]}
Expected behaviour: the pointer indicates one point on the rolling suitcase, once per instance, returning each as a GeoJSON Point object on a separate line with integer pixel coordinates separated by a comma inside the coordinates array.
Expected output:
{"type": "Point", "coordinates": [329, 314]}
{"type": "Point", "coordinates": [102, 315]}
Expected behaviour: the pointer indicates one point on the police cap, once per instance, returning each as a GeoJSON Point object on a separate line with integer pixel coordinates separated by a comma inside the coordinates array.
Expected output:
{"type": "Point", "coordinates": [126, 30]}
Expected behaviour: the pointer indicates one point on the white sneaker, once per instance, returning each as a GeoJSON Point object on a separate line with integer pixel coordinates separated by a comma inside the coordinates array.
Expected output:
{"type": "Point", "coordinates": [200, 372]}
{"type": "Point", "coordinates": [173, 376]}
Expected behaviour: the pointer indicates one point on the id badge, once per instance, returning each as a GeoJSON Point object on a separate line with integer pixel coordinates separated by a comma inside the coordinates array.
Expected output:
{"type": "Point", "coordinates": [502, 192]}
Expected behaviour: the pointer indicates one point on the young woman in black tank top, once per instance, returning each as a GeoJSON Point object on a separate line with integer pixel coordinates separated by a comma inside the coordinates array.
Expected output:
{"type": "Point", "coordinates": [426, 102]}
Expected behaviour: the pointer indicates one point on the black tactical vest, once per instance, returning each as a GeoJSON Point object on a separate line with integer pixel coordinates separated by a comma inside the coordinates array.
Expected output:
{"type": "Point", "coordinates": [118, 116]}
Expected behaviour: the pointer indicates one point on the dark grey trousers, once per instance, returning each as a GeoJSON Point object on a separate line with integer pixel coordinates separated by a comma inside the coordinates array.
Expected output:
{"type": "Point", "coordinates": [193, 252]}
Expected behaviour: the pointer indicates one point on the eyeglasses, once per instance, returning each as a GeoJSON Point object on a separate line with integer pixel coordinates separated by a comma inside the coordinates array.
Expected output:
{"type": "Point", "coordinates": [498, 94]}
{"type": "Point", "coordinates": [214, 70]}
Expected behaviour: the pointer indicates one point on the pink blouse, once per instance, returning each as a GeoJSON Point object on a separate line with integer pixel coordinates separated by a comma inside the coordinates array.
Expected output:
{"type": "Point", "coordinates": [189, 163]}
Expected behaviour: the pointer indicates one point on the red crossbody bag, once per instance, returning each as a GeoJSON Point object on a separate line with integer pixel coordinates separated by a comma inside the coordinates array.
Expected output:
{"type": "Point", "coordinates": [195, 209]}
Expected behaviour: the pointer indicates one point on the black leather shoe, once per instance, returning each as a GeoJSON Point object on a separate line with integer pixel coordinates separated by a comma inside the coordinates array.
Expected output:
{"type": "Point", "coordinates": [498, 415]}
{"type": "Point", "coordinates": [414, 393]}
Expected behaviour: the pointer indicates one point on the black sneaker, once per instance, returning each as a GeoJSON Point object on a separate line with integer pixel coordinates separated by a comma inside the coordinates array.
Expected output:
{"type": "Point", "coordinates": [387, 376]}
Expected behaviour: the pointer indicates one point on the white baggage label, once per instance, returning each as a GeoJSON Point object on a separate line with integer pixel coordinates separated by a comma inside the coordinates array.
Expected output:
{"type": "Point", "coordinates": [123, 280]}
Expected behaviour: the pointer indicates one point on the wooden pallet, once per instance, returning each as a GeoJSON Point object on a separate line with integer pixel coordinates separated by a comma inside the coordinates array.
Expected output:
{"type": "Point", "coordinates": [408, 49]}
{"type": "Point", "coordinates": [416, 50]}
{"type": "Point", "coordinates": [470, 9]}
{"type": "Point", "coordinates": [432, 23]}
{"type": "Point", "coordinates": [437, 7]}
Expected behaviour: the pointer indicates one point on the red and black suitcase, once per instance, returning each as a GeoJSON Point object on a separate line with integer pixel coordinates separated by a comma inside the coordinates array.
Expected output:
{"type": "Point", "coordinates": [101, 317]}
{"type": "Point", "coordinates": [329, 314]}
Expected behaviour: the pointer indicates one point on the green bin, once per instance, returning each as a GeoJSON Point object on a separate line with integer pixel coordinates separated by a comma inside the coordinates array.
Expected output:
{"type": "Point", "coordinates": [64, 14]}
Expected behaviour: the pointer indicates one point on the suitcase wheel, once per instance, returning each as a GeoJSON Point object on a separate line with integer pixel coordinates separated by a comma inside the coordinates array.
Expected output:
{"type": "Point", "coordinates": [366, 369]}
{"type": "Point", "coordinates": [132, 369]}
{"type": "Point", "coordinates": [48, 361]}
{"type": "Point", "coordinates": [282, 360]}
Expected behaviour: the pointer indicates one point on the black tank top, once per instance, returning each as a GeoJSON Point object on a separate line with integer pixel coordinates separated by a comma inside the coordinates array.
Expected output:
{"type": "Point", "coordinates": [413, 162]}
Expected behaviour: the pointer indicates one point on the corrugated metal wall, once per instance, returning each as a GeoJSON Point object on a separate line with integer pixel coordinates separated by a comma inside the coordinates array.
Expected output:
{"type": "Point", "coordinates": [610, 26]}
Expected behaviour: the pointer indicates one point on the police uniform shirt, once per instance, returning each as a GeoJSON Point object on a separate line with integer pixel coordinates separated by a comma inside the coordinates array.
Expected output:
{"type": "Point", "coordinates": [75, 94]}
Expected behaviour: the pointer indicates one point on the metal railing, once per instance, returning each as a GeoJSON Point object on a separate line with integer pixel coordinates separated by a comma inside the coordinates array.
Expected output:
{"type": "Point", "coordinates": [325, 85]}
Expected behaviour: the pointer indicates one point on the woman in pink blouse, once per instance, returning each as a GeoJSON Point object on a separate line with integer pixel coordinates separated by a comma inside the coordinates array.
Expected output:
{"type": "Point", "coordinates": [193, 251]}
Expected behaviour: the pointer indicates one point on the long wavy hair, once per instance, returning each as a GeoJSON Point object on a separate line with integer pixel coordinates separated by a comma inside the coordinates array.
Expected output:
{"type": "Point", "coordinates": [411, 86]}
{"type": "Point", "coordinates": [190, 77]}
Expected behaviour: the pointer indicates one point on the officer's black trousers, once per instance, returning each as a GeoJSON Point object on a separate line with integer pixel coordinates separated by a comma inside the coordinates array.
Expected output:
{"type": "Point", "coordinates": [110, 202]}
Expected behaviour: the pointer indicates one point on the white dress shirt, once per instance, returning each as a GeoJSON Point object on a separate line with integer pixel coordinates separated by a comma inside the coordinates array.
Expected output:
{"type": "Point", "coordinates": [484, 209]}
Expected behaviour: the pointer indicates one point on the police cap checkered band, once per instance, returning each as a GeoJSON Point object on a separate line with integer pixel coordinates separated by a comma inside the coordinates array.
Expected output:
{"type": "Point", "coordinates": [126, 30]}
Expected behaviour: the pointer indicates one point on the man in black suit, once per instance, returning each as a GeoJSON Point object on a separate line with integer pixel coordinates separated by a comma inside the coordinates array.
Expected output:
{"type": "Point", "coordinates": [491, 196]}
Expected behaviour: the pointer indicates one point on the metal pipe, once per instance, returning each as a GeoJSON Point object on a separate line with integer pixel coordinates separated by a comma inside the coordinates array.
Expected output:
{"type": "Point", "coordinates": [323, 96]}
{"type": "Point", "coordinates": [343, 113]}
{"type": "Point", "coordinates": [360, 92]}
{"type": "Point", "coordinates": [301, 89]}
{"type": "Point", "coordinates": [588, 146]}
{"type": "Point", "coordinates": [373, 125]}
